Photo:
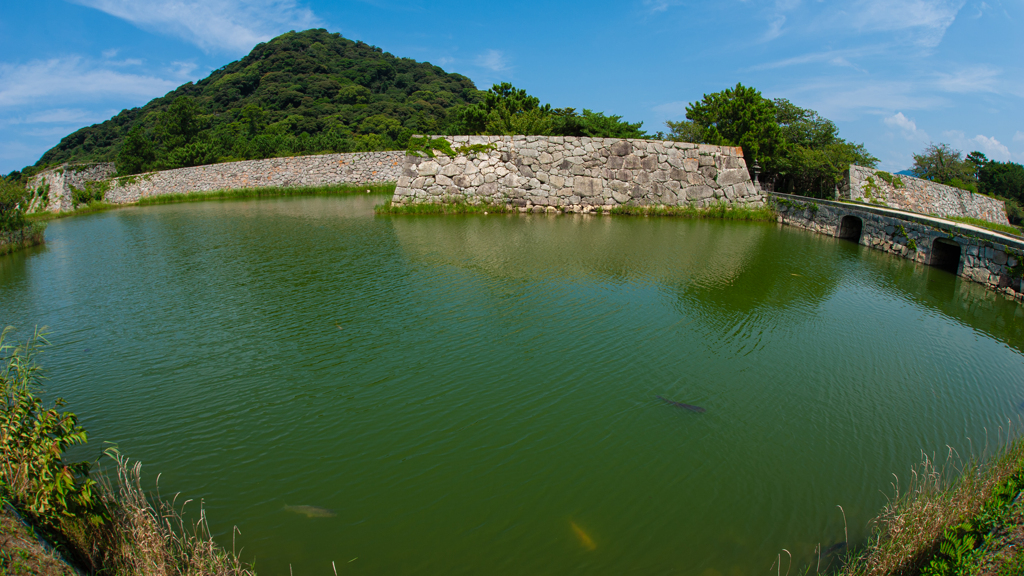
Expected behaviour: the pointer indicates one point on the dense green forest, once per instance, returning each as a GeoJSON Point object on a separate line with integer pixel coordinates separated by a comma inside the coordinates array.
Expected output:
{"type": "Point", "coordinates": [312, 92]}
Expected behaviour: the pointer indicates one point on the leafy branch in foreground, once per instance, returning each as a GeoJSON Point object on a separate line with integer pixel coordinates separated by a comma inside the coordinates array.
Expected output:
{"type": "Point", "coordinates": [108, 527]}
{"type": "Point", "coordinates": [33, 438]}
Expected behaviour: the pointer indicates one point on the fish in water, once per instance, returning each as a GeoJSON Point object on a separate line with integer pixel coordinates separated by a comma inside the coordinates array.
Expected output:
{"type": "Point", "coordinates": [311, 511]}
{"type": "Point", "coordinates": [833, 548]}
{"type": "Point", "coordinates": [680, 404]}
{"type": "Point", "coordinates": [585, 538]}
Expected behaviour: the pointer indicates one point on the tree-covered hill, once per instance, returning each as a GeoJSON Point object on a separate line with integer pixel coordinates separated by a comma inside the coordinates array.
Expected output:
{"type": "Point", "coordinates": [302, 85]}
{"type": "Point", "coordinates": [311, 92]}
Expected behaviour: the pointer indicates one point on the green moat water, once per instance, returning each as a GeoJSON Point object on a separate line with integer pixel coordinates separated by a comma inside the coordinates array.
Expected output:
{"type": "Point", "coordinates": [447, 395]}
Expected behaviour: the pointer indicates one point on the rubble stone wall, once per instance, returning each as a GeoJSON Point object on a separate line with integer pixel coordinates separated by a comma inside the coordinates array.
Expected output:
{"type": "Point", "coordinates": [917, 195]}
{"type": "Point", "coordinates": [556, 173]}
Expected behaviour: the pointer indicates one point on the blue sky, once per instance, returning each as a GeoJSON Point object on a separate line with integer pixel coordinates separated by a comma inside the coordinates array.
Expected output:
{"type": "Point", "coordinates": [893, 74]}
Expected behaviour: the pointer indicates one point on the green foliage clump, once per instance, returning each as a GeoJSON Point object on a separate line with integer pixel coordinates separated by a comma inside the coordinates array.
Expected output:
{"type": "Point", "coordinates": [12, 206]}
{"type": "Point", "coordinates": [797, 150]}
{"type": "Point", "coordinates": [425, 146]}
{"type": "Point", "coordinates": [507, 110]}
{"type": "Point", "coordinates": [894, 181]}
{"type": "Point", "coordinates": [33, 439]}
{"type": "Point", "coordinates": [1004, 180]}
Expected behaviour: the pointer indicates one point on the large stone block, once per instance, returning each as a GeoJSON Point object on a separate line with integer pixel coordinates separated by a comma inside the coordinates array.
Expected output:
{"type": "Point", "coordinates": [584, 186]}
{"type": "Point", "coordinates": [732, 176]}
{"type": "Point", "coordinates": [621, 148]}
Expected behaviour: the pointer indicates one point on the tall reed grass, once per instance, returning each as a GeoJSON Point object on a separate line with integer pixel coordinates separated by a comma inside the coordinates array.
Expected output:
{"type": "Point", "coordinates": [935, 502]}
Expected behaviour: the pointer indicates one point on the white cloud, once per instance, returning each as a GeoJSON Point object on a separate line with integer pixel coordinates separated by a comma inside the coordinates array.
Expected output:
{"type": "Point", "coordinates": [989, 145]}
{"type": "Point", "coordinates": [110, 53]}
{"type": "Point", "coordinates": [73, 80]}
{"type": "Point", "coordinates": [907, 127]}
{"type": "Point", "coordinates": [1018, 137]}
{"type": "Point", "coordinates": [492, 60]}
{"type": "Point", "coordinates": [233, 25]}
{"type": "Point", "coordinates": [994, 149]}
{"type": "Point", "coordinates": [926, 20]}
{"type": "Point", "coordinates": [977, 79]}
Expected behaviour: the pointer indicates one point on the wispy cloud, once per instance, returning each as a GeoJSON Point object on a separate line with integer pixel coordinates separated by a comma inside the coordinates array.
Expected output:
{"type": "Point", "coordinates": [63, 116]}
{"type": "Point", "coordinates": [833, 57]}
{"type": "Point", "coordinates": [978, 79]}
{"type": "Point", "coordinates": [1018, 137]}
{"type": "Point", "coordinates": [660, 5]}
{"type": "Point", "coordinates": [232, 25]}
{"type": "Point", "coordinates": [924, 21]}
{"type": "Point", "coordinates": [493, 60]}
{"type": "Point", "coordinates": [907, 127]}
{"type": "Point", "coordinates": [73, 79]}
{"type": "Point", "coordinates": [848, 97]}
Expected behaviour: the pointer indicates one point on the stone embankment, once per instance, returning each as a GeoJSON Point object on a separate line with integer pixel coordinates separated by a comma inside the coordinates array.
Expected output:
{"type": "Point", "coordinates": [989, 258]}
{"type": "Point", "coordinates": [318, 170]}
{"type": "Point", "coordinates": [52, 190]}
{"type": "Point", "coordinates": [917, 195]}
{"type": "Point", "coordinates": [555, 173]}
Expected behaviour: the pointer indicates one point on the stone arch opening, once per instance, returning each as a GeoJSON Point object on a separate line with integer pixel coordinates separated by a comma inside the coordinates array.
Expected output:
{"type": "Point", "coordinates": [850, 228]}
{"type": "Point", "coordinates": [945, 255]}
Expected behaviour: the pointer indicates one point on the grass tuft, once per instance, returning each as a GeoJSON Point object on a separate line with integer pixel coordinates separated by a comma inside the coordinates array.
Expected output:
{"type": "Point", "coordinates": [446, 208]}
{"type": "Point", "coordinates": [250, 193]}
{"type": "Point", "coordinates": [1004, 228]}
{"type": "Point", "coordinates": [720, 210]}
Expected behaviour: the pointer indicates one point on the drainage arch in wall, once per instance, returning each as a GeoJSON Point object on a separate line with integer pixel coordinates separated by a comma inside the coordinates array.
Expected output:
{"type": "Point", "coordinates": [850, 228]}
{"type": "Point", "coordinates": [945, 255]}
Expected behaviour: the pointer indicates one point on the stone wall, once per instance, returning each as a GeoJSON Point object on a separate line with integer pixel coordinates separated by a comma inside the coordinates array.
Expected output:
{"type": "Point", "coordinates": [986, 258]}
{"type": "Point", "coordinates": [61, 180]}
{"type": "Point", "coordinates": [917, 195]}
{"type": "Point", "coordinates": [555, 173]}
{"type": "Point", "coordinates": [318, 170]}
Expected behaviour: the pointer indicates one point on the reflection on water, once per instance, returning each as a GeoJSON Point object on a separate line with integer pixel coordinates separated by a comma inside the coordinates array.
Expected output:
{"type": "Point", "coordinates": [469, 395]}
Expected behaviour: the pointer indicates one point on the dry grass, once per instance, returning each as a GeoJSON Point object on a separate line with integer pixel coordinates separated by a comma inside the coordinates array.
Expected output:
{"type": "Point", "coordinates": [147, 536]}
{"type": "Point", "coordinates": [910, 527]}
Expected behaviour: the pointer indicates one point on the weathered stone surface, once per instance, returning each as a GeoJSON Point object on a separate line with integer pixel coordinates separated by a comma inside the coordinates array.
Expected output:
{"type": "Point", "coordinates": [982, 259]}
{"type": "Point", "coordinates": [554, 171]}
{"type": "Point", "coordinates": [621, 148]}
{"type": "Point", "coordinates": [917, 195]}
{"type": "Point", "coordinates": [731, 177]}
